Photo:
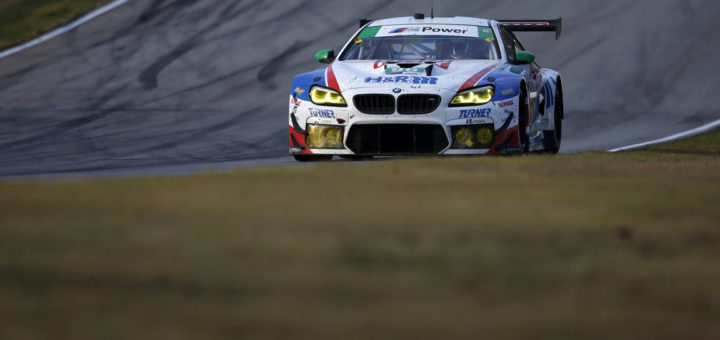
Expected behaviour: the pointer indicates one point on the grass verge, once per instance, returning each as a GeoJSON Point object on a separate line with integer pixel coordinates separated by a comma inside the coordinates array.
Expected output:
{"type": "Point", "coordinates": [593, 245]}
{"type": "Point", "coordinates": [23, 20]}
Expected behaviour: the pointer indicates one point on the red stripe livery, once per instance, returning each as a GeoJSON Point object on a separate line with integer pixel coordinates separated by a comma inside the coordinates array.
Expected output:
{"type": "Point", "coordinates": [470, 83]}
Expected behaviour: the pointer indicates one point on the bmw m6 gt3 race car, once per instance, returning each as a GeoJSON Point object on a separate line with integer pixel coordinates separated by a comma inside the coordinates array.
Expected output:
{"type": "Point", "coordinates": [419, 86]}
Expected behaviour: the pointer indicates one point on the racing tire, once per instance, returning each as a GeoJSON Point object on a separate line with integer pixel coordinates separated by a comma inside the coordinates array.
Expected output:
{"type": "Point", "coordinates": [312, 158]}
{"type": "Point", "coordinates": [523, 115]}
{"type": "Point", "coordinates": [553, 138]}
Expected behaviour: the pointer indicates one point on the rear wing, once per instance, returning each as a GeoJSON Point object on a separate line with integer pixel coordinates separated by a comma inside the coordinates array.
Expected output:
{"type": "Point", "coordinates": [535, 26]}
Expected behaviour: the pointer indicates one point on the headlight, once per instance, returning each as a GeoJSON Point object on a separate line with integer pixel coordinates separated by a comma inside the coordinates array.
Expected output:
{"type": "Point", "coordinates": [477, 96]}
{"type": "Point", "coordinates": [325, 96]}
{"type": "Point", "coordinates": [324, 137]}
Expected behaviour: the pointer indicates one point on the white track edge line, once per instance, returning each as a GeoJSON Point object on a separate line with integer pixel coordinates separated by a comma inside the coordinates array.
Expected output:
{"type": "Point", "coordinates": [689, 133]}
{"type": "Point", "coordinates": [69, 27]}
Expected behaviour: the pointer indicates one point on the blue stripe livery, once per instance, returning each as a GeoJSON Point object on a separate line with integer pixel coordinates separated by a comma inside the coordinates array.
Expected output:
{"type": "Point", "coordinates": [305, 81]}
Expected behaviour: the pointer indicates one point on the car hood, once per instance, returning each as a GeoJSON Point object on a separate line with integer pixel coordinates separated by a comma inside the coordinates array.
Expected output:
{"type": "Point", "coordinates": [448, 75]}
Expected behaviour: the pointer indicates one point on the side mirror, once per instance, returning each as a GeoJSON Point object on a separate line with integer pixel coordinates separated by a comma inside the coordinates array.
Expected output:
{"type": "Point", "coordinates": [524, 57]}
{"type": "Point", "coordinates": [325, 56]}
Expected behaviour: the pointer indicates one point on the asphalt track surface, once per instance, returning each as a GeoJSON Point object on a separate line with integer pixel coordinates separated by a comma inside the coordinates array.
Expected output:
{"type": "Point", "coordinates": [176, 86]}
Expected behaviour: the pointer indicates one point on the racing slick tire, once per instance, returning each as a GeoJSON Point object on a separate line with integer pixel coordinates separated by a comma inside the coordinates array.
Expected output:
{"type": "Point", "coordinates": [312, 158]}
{"type": "Point", "coordinates": [552, 138]}
{"type": "Point", "coordinates": [523, 115]}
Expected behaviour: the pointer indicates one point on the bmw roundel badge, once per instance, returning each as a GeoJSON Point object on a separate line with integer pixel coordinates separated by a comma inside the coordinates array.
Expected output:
{"type": "Point", "coordinates": [397, 90]}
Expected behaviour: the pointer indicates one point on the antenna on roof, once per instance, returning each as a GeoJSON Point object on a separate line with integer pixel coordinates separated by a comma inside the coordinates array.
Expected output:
{"type": "Point", "coordinates": [432, 9]}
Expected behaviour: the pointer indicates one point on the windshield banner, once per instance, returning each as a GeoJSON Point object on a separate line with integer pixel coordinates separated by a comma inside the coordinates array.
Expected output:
{"type": "Point", "coordinates": [448, 30]}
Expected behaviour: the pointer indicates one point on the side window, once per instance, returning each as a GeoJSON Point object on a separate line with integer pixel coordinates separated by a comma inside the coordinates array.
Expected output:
{"type": "Point", "coordinates": [516, 42]}
{"type": "Point", "coordinates": [508, 43]}
{"type": "Point", "coordinates": [519, 47]}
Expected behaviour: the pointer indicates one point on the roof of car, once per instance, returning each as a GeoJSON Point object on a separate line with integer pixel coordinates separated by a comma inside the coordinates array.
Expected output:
{"type": "Point", "coordinates": [436, 21]}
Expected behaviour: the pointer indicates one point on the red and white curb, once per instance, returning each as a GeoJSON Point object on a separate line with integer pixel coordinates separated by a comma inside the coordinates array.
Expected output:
{"type": "Point", "coordinates": [69, 27]}
{"type": "Point", "coordinates": [689, 133]}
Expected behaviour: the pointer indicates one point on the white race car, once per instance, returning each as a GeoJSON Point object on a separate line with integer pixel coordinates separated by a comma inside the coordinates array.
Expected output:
{"type": "Point", "coordinates": [428, 86]}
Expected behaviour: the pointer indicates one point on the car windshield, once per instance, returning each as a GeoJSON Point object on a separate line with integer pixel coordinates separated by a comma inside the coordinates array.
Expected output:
{"type": "Point", "coordinates": [422, 48]}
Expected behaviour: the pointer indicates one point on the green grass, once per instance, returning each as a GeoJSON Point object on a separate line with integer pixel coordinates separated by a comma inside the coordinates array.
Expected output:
{"type": "Point", "coordinates": [590, 246]}
{"type": "Point", "coordinates": [26, 19]}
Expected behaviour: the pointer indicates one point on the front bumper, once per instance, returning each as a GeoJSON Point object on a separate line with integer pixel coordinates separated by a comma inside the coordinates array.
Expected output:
{"type": "Point", "coordinates": [407, 135]}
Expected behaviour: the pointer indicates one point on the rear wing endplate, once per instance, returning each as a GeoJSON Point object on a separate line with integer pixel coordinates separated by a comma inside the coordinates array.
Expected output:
{"type": "Point", "coordinates": [535, 26]}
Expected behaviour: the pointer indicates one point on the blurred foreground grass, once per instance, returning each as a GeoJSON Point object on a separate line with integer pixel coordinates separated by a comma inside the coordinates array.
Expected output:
{"type": "Point", "coordinates": [593, 245]}
{"type": "Point", "coordinates": [22, 20]}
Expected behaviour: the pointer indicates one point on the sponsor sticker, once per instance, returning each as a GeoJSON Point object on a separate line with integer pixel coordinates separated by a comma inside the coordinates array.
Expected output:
{"type": "Point", "coordinates": [402, 80]}
{"type": "Point", "coordinates": [475, 113]}
{"type": "Point", "coordinates": [323, 113]}
{"type": "Point", "coordinates": [396, 70]}
{"type": "Point", "coordinates": [508, 92]}
{"type": "Point", "coordinates": [483, 120]}
{"type": "Point", "coordinates": [299, 90]}
{"type": "Point", "coordinates": [405, 30]}
{"type": "Point", "coordinates": [443, 30]}
{"type": "Point", "coordinates": [506, 103]}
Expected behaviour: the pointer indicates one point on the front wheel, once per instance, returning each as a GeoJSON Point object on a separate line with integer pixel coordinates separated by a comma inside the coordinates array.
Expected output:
{"type": "Point", "coordinates": [312, 158]}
